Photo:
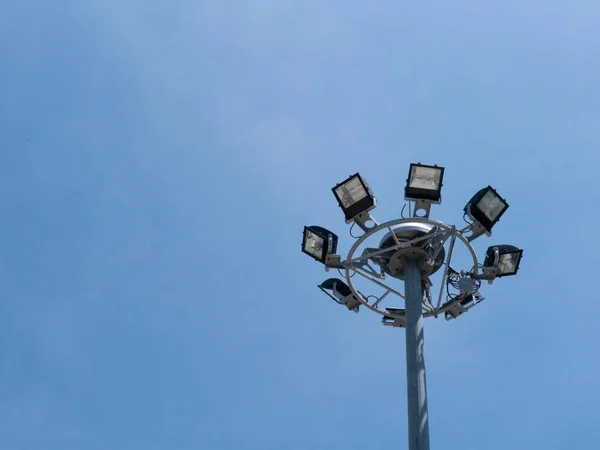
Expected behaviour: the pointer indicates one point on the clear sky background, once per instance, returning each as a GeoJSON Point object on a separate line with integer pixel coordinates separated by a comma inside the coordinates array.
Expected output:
{"type": "Point", "coordinates": [158, 161]}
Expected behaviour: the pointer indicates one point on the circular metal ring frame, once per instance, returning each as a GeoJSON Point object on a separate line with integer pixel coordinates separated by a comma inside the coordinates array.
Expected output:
{"type": "Point", "coordinates": [387, 226]}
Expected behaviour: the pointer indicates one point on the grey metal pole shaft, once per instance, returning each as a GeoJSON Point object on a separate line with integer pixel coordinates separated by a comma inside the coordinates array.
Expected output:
{"type": "Point", "coordinates": [418, 419]}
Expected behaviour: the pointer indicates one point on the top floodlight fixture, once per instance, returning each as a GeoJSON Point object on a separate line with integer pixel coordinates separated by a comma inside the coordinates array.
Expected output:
{"type": "Point", "coordinates": [354, 196]}
{"type": "Point", "coordinates": [318, 243]}
{"type": "Point", "coordinates": [486, 207]}
{"type": "Point", "coordinates": [424, 183]}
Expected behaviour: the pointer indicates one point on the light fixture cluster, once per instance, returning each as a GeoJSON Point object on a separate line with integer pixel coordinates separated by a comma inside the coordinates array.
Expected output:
{"type": "Point", "coordinates": [423, 187]}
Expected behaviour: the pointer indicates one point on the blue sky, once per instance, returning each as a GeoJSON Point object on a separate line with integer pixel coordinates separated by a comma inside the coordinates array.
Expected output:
{"type": "Point", "coordinates": [158, 163]}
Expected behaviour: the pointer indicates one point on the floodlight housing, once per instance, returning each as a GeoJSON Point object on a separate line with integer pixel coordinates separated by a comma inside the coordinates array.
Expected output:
{"type": "Point", "coordinates": [424, 183]}
{"type": "Point", "coordinates": [454, 312]}
{"type": "Point", "coordinates": [397, 317]}
{"type": "Point", "coordinates": [354, 197]}
{"type": "Point", "coordinates": [504, 258]}
{"type": "Point", "coordinates": [340, 293]}
{"type": "Point", "coordinates": [466, 303]}
{"type": "Point", "coordinates": [486, 207]}
{"type": "Point", "coordinates": [318, 242]}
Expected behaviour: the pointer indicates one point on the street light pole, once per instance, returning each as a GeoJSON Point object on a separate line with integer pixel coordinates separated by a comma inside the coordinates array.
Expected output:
{"type": "Point", "coordinates": [418, 419]}
{"type": "Point", "coordinates": [411, 249]}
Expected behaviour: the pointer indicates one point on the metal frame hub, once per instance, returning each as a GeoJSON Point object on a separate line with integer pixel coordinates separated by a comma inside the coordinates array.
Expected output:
{"type": "Point", "coordinates": [406, 250]}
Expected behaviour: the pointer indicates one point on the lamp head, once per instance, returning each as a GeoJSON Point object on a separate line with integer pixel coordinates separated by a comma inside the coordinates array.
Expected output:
{"type": "Point", "coordinates": [318, 242]}
{"type": "Point", "coordinates": [504, 258]}
{"type": "Point", "coordinates": [486, 207]}
{"type": "Point", "coordinates": [424, 183]}
{"type": "Point", "coordinates": [354, 196]}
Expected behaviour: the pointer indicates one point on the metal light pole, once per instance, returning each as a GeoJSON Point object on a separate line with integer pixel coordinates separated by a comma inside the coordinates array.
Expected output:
{"type": "Point", "coordinates": [411, 249]}
{"type": "Point", "coordinates": [416, 384]}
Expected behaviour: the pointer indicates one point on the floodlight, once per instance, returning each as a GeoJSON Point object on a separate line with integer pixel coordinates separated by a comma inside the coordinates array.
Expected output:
{"type": "Point", "coordinates": [486, 207]}
{"type": "Point", "coordinates": [340, 293]}
{"type": "Point", "coordinates": [504, 258]}
{"type": "Point", "coordinates": [466, 303]}
{"type": "Point", "coordinates": [354, 196]}
{"type": "Point", "coordinates": [318, 242]}
{"type": "Point", "coordinates": [397, 317]}
{"type": "Point", "coordinates": [454, 312]}
{"type": "Point", "coordinates": [424, 183]}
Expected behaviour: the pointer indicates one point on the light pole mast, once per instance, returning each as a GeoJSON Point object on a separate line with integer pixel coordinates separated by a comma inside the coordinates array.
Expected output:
{"type": "Point", "coordinates": [412, 250]}
{"type": "Point", "coordinates": [416, 383]}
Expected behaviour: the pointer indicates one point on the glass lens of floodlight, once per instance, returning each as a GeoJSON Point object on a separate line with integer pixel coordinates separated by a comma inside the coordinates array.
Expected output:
{"type": "Point", "coordinates": [509, 262]}
{"type": "Point", "coordinates": [314, 244]}
{"type": "Point", "coordinates": [425, 178]}
{"type": "Point", "coordinates": [351, 192]}
{"type": "Point", "coordinates": [491, 205]}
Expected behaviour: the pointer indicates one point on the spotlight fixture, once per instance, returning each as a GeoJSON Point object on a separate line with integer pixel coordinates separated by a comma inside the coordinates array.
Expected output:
{"type": "Point", "coordinates": [354, 197]}
{"type": "Point", "coordinates": [318, 242]}
{"type": "Point", "coordinates": [397, 317]}
{"type": "Point", "coordinates": [424, 183]}
{"type": "Point", "coordinates": [504, 258]}
{"type": "Point", "coordinates": [340, 293]}
{"type": "Point", "coordinates": [486, 207]}
{"type": "Point", "coordinates": [466, 303]}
